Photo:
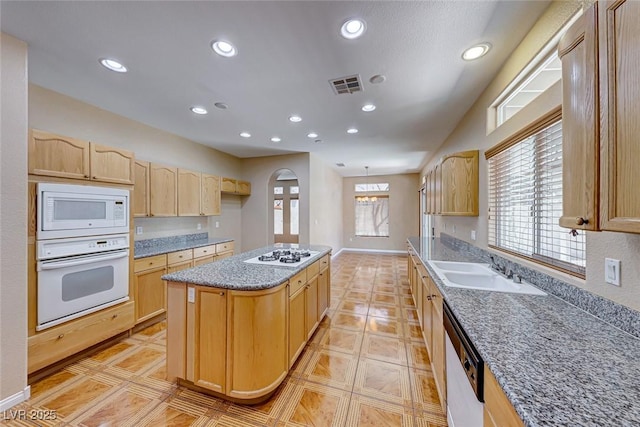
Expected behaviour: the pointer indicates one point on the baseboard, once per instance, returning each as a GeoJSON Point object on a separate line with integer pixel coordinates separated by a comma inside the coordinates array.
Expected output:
{"type": "Point", "coordinates": [333, 256]}
{"type": "Point", "coordinates": [377, 251]}
{"type": "Point", "coordinates": [13, 400]}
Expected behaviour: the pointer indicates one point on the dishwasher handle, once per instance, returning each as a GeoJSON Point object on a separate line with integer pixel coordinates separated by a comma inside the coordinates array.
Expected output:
{"type": "Point", "coordinates": [53, 265]}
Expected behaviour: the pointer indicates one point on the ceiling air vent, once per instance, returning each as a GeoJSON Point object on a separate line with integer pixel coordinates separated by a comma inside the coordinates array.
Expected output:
{"type": "Point", "coordinates": [340, 165]}
{"type": "Point", "coordinates": [349, 84]}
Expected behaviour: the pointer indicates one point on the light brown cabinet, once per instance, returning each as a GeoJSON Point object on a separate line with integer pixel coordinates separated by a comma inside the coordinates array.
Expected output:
{"type": "Point", "coordinates": [180, 260]}
{"type": "Point", "coordinates": [149, 288]}
{"type": "Point", "coordinates": [141, 197]}
{"type": "Point", "coordinates": [459, 184]}
{"type": "Point", "coordinates": [312, 319]}
{"type": "Point", "coordinates": [65, 157]}
{"type": "Point", "coordinates": [498, 411]}
{"type": "Point", "coordinates": [210, 195]}
{"type": "Point", "coordinates": [163, 190]}
{"type": "Point", "coordinates": [188, 193]}
{"type": "Point", "coordinates": [297, 329]}
{"type": "Point", "coordinates": [619, 31]}
{"type": "Point", "coordinates": [235, 186]}
{"type": "Point", "coordinates": [324, 293]}
{"type": "Point", "coordinates": [578, 52]}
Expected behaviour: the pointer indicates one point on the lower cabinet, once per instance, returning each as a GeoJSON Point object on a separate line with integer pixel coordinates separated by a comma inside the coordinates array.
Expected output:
{"type": "Point", "coordinates": [149, 288]}
{"type": "Point", "coordinates": [498, 411]}
{"type": "Point", "coordinates": [311, 307]}
{"type": "Point", "coordinates": [297, 329]}
{"type": "Point", "coordinates": [324, 292]}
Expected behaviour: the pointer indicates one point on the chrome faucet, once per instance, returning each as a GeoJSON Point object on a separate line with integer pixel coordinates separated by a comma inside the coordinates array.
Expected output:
{"type": "Point", "coordinates": [495, 266]}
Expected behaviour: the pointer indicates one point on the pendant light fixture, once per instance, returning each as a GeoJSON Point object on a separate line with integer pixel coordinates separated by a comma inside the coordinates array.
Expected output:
{"type": "Point", "coordinates": [366, 199]}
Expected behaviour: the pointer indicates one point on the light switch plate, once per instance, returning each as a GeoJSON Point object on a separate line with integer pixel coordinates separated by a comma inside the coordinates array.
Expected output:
{"type": "Point", "coordinates": [139, 230]}
{"type": "Point", "coordinates": [199, 226]}
{"type": "Point", "coordinates": [473, 234]}
{"type": "Point", "coordinates": [612, 271]}
{"type": "Point", "coordinates": [217, 224]}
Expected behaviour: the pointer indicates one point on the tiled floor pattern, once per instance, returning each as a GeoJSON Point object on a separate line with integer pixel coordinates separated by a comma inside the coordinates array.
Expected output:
{"type": "Point", "coordinates": [365, 366]}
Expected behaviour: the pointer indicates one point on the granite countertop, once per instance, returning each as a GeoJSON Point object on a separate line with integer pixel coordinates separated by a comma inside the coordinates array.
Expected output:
{"type": "Point", "coordinates": [164, 246]}
{"type": "Point", "coordinates": [557, 364]}
{"type": "Point", "coordinates": [234, 273]}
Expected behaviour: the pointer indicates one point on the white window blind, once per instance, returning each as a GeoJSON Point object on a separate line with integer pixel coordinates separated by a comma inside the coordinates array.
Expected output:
{"type": "Point", "coordinates": [372, 217]}
{"type": "Point", "coordinates": [525, 202]}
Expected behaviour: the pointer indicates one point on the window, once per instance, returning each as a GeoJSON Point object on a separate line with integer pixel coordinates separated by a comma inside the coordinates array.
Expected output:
{"type": "Point", "coordinates": [525, 198]}
{"type": "Point", "coordinates": [372, 217]}
{"type": "Point", "coordinates": [363, 188]}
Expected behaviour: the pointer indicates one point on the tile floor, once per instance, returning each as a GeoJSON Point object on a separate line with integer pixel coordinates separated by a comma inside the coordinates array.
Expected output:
{"type": "Point", "coordinates": [365, 366]}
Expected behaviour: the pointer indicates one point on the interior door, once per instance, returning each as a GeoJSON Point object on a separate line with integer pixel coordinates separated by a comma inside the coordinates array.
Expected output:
{"type": "Point", "coordinates": [286, 211]}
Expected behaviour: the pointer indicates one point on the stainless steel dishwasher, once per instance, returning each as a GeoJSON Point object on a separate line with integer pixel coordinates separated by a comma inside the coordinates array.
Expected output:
{"type": "Point", "coordinates": [465, 375]}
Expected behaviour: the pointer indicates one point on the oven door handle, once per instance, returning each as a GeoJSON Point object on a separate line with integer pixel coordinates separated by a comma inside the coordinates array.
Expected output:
{"type": "Point", "coordinates": [62, 264]}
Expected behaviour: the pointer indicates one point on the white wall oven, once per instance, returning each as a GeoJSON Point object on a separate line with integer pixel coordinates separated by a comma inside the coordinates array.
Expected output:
{"type": "Point", "coordinates": [82, 251]}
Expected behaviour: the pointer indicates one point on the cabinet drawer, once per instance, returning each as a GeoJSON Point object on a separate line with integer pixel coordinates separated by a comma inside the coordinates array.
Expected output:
{"type": "Point", "coordinates": [313, 269]}
{"type": "Point", "coordinates": [181, 256]}
{"type": "Point", "coordinates": [224, 247]}
{"type": "Point", "coordinates": [204, 251]}
{"type": "Point", "coordinates": [297, 281]}
{"type": "Point", "coordinates": [55, 344]}
{"type": "Point", "coordinates": [324, 262]}
{"type": "Point", "coordinates": [149, 262]}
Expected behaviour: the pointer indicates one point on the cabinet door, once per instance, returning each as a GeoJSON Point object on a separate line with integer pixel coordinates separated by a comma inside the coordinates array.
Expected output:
{"type": "Point", "coordinates": [110, 164]}
{"type": "Point", "coordinates": [210, 195]}
{"type": "Point", "coordinates": [297, 330]}
{"type": "Point", "coordinates": [60, 156]}
{"type": "Point", "coordinates": [437, 190]}
{"type": "Point", "coordinates": [163, 190]}
{"type": "Point", "coordinates": [188, 193]}
{"type": "Point", "coordinates": [427, 314]}
{"type": "Point", "coordinates": [203, 260]}
{"type": "Point", "coordinates": [459, 184]}
{"type": "Point", "coordinates": [580, 152]}
{"type": "Point", "coordinates": [179, 266]}
{"type": "Point", "coordinates": [312, 306]}
{"type": "Point", "coordinates": [141, 189]}
{"type": "Point", "coordinates": [429, 188]}
{"type": "Point", "coordinates": [438, 345]}
{"type": "Point", "coordinates": [243, 188]}
{"type": "Point", "coordinates": [228, 185]}
{"type": "Point", "coordinates": [323, 293]}
{"type": "Point", "coordinates": [210, 338]}
{"type": "Point", "coordinates": [150, 294]}
{"type": "Point", "coordinates": [619, 27]}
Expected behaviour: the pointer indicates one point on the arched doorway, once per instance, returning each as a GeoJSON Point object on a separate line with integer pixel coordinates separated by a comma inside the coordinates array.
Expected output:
{"type": "Point", "coordinates": [285, 191]}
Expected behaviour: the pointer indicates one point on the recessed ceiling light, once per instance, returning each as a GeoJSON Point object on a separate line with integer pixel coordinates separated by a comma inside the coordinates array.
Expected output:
{"type": "Point", "coordinates": [221, 105]}
{"type": "Point", "coordinates": [352, 130]}
{"type": "Point", "coordinates": [113, 65]}
{"type": "Point", "coordinates": [224, 48]}
{"type": "Point", "coordinates": [275, 139]}
{"type": "Point", "coordinates": [377, 79]}
{"type": "Point", "coordinates": [312, 135]}
{"type": "Point", "coordinates": [295, 119]}
{"type": "Point", "coordinates": [318, 141]}
{"type": "Point", "coordinates": [245, 134]}
{"type": "Point", "coordinates": [368, 107]}
{"type": "Point", "coordinates": [198, 110]}
{"type": "Point", "coordinates": [476, 51]}
{"type": "Point", "coordinates": [353, 28]}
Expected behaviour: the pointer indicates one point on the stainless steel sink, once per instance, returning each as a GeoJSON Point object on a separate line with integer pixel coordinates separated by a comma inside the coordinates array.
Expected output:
{"type": "Point", "coordinates": [470, 275]}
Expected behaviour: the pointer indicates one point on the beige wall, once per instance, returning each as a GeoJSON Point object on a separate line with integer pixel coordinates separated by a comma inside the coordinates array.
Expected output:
{"type": "Point", "coordinates": [13, 218]}
{"type": "Point", "coordinates": [403, 212]}
{"type": "Point", "coordinates": [257, 218]}
{"type": "Point", "coordinates": [471, 133]}
{"type": "Point", "coordinates": [54, 112]}
{"type": "Point", "coordinates": [326, 205]}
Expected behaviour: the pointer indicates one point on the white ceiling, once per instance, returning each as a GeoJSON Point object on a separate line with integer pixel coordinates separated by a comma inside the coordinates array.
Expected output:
{"type": "Point", "coordinates": [287, 52]}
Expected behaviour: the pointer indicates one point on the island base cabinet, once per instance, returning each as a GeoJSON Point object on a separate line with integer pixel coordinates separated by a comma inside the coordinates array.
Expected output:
{"type": "Point", "coordinates": [297, 330]}
{"type": "Point", "coordinates": [312, 307]}
{"type": "Point", "coordinates": [324, 295]}
{"type": "Point", "coordinates": [257, 348]}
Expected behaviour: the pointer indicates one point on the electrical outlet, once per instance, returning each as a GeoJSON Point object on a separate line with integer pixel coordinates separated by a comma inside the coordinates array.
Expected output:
{"type": "Point", "coordinates": [139, 230]}
{"type": "Point", "coordinates": [217, 224]}
{"type": "Point", "coordinates": [473, 234]}
{"type": "Point", "coordinates": [191, 295]}
{"type": "Point", "coordinates": [612, 271]}
{"type": "Point", "coordinates": [199, 226]}
{"type": "Point", "coordinates": [453, 229]}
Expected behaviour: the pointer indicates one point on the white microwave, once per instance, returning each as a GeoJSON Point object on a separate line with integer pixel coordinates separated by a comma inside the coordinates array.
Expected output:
{"type": "Point", "coordinates": [65, 210]}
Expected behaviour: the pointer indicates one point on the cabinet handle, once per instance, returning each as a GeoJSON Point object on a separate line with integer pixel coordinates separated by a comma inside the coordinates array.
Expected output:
{"type": "Point", "coordinates": [114, 316]}
{"type": "Point", "coordinates": [150, 263]}
{"type": "Point", "coordinates": [150, 214]}
{"type": "Point", "coordinates": [221, 294]}
{"type": "Point", "coordinates": [300, 282]}
{"type": "Point", "coordinates": [581, 221]}
{"type": "Point", "coordinates": [95, 177]}
{"type": "Point", "coordinates": [204, 251]}
{"type": "Point", "coordinates": [86, 176]}
{"type": "Point", "coordinates": [179, 256]}
{"type": "Point", "coordinates": [60, 336]}
{"type": "Point", "coordinates": [429, 297]}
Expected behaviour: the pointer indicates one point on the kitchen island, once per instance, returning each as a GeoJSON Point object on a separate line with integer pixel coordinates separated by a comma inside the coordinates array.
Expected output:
{"type": "Point", "coordinates": [235, 328]}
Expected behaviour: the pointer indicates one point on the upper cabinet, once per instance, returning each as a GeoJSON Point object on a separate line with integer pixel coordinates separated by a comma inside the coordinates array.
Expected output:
{"type": "Point", "coordinates": [141, 197]}
{"type": "Point", "coordinates": [64, 157]}
{"type": "Point", "coordinates": [619, 61]}
{"type": "Point", "coordinates": [188, 193]}
{"type": "Point", "coordinates": [452, 185]}
{"type": "Point", "coordinates": [578, 52]}
{"type": "Point", "coordinates": [210, 195]}
{"type": "Point", "coordinates": [235, 186]}
{"type": "Point", "coordinates": [459, 184]}
{"type": "Point", "coordinates": [163, 190]}
{"type": "Point", "coordinates": [601, 106]}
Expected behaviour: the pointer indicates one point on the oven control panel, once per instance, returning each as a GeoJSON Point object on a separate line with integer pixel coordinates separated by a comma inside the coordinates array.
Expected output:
{"type": "Point", "coordinates": [57, 248]}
